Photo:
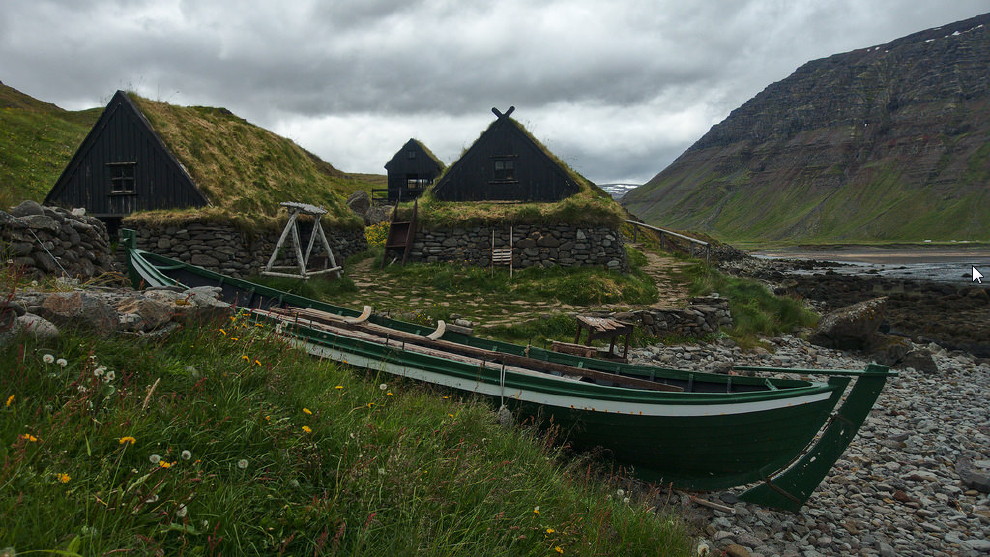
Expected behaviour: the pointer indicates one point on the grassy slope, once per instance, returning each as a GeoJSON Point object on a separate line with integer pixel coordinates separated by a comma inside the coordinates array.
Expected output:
{"type": "Point", "coordinates": [36, 142]}
{"type": "Point", "coordinates": [875, 206]}
{"type": "Point", "coordinates": [285, 455]}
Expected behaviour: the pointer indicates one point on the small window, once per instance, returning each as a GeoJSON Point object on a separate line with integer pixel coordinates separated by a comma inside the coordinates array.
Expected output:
{"type": "Point", "coordinates": [411, 154]}
{"type": "Point", "coordinates": [505, 170]}
{"type": "Point", "coordinates": [121, 177]}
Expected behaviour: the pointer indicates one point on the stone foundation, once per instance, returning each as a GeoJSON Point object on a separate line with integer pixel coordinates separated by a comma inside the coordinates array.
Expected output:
{"type": "Point", "coordinates": [532, 245]}
{"type": "Point", "coordinates": [229, 251]}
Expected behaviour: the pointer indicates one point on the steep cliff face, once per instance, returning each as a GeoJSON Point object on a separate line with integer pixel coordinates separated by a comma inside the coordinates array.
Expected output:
{"type": "Point", "coordinates": [890, 142]}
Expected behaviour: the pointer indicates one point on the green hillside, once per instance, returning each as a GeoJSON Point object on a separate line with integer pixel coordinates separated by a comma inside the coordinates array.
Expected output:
{"type": "Point", "coordinates": [37, 139]}
{"type": "Point", "coordinates": [883, 144]}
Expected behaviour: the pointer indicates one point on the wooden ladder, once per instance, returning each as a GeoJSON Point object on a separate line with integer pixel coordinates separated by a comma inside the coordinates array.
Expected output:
{"type": "Point", "coordinates": [401, 234]}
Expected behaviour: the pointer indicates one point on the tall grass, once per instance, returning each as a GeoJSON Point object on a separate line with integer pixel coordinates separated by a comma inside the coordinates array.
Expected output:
{"type": "Point", "coordinates": [221, 440]}
{"type": "Point", "coordinates": [755, 310]}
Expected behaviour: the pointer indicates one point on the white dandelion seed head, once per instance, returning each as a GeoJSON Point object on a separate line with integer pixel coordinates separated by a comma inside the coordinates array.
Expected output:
{"type": "Point", "coordinates": [155, 458]}
{"type": "Point", "coordinates": [182, 511]}
{"type": "Point", "coordinates": [294, 484]}
{"type": "Point", "coordinates": [242, 463]}
{"type": "Point", "coordinates": [625, 500]}
{"type": "Point", "coordinates": [383, 387]}
{"type": "Point", "coordinates": [61, 362]}
{"type": "Point", "coordinates": [620, 492]}
{"type": "Point", "coordinates": [152, 499]}
{"type": "Point", "coordinates": [186, 455]}
{"type": "Point", "coordinates": [99, 371]}
{"type": "Point", "coordinates": [48, 358]}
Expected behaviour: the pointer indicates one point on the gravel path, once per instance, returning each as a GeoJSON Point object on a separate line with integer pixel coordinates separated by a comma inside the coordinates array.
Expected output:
{"type": "Point", "coordinates": [897, 489]}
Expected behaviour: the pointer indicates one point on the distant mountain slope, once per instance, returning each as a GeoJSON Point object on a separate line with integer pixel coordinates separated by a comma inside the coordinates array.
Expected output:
{"type": "Point", "coordinates": [890, 142]}
{"type": "Point", "coordinates": [37, 139]}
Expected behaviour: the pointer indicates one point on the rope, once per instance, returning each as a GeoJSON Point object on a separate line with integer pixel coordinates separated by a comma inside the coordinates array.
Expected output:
{"type": "Point", "coordinates": [42, 244]}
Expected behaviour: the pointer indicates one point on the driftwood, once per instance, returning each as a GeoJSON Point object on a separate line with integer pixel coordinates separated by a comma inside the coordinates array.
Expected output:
{"type": "Point", "coordinates": [317, 317]}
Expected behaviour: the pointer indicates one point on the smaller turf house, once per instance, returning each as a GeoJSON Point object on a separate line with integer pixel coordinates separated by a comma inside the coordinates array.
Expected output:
{"type": "Point", "coordinates": [509, 199]}
{"type": "Point", "coordinates": [201, 184]}
{"type": "Point", "coordinates": [410, 171]}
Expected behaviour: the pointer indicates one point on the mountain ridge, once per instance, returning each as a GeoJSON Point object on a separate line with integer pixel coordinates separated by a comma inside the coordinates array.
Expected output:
{"type": "Point", "coordinates": [884, 143]}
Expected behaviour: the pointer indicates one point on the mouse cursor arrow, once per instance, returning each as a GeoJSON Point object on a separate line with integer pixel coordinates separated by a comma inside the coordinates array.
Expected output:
{"type": "Point", "coordinates": [977, 275]}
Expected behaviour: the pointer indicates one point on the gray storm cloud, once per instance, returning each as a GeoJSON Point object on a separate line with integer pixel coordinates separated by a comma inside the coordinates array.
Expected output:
{"type": "Point", "coordinates": [616, 89]}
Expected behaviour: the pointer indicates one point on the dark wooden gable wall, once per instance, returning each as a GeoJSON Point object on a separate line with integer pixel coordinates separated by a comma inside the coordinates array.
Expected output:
{"type": "Point", "coordinates": [123, 166]}
{"type": "Point", "coordinates": [411, 163]}
{"type": "Point", "coordinates": [505, 164]}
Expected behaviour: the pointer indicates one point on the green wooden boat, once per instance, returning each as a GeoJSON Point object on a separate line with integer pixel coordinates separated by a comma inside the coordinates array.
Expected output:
{"type": "Point", "coordinates": [698, 431]}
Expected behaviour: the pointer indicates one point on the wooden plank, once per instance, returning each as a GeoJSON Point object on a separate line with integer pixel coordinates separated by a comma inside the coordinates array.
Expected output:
{"type": "Point", "coordinates": [321, 317]}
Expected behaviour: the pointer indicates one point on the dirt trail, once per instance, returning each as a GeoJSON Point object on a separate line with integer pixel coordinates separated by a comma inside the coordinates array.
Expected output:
{"type": "Point", "coordinates": [673, 292]}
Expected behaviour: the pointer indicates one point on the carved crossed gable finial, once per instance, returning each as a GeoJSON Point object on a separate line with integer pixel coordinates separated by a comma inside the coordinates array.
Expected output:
{"type": "Point", "coordinates": [499, 112]}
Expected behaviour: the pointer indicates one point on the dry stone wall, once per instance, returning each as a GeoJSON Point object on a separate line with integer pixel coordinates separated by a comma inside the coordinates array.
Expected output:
{"type": "Point", "coordinates": [702, 316]}
{"type": "Point", "coordinates": [532, 245]}
{"type": "Point", "coordinates": [42, 241]}
{"type": "Point", "coordinates": [227, 250]}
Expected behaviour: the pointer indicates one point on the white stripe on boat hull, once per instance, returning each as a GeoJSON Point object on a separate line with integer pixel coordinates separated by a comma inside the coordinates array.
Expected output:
{"type": "Point", "coordinates": [560, 401]}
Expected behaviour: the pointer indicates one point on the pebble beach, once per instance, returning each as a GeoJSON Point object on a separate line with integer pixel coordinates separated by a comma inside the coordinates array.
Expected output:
{"type": "Point", "coordinates": [909, 484]}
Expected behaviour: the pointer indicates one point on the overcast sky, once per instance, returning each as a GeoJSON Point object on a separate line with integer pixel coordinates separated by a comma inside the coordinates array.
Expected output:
{"type": "Point", "coordinates": [616, 89]}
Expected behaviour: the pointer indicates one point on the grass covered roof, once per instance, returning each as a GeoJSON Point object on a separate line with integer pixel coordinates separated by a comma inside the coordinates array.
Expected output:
{"type": "Point", "coordinates": [589, 206]}
{"type": "Point", "coordinates": [244, 171]}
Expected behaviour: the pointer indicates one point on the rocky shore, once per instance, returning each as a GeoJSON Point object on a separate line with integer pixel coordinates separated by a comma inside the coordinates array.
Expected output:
{"type": "Point", "coordinates": [954, 315]}
{"type": "Point", "coordinates": [913, 482]}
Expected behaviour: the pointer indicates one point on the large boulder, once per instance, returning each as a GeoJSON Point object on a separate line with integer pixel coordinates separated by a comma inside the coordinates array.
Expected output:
{"type": "Point", "coordinates": [359, 202]}
{"type": "Point", "coordinates": [80, 310]}
{"type": "Point", "coordinates": [143, 314]}
{"type": "Point", "coordinates": [853, 327]}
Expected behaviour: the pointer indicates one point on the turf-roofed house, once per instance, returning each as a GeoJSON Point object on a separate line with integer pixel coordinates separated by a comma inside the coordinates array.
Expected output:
{"type": "Point", "coordinates": [508, 198]}
{"type": "Point", "coordinates": [202, 185]}
{"type": "Point", "coordinates": [411, 170]}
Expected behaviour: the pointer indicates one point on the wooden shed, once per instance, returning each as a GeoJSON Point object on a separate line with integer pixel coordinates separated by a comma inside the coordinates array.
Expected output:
{"type": "Point", "coordinates": [122, 166]}
{"type": "Point", "coordinates": [410, 171]}
{"type": "Point", "coordinates": [506, 163]}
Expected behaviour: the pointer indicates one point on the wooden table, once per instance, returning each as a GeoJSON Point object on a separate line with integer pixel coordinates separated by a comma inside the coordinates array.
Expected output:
{"type": "Point", "coordinates": [603, 327]}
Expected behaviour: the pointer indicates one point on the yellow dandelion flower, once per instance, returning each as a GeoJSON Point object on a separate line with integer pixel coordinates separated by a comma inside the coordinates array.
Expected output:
{"type": "Point", "coordinates": [257, 362]}
{"type": "Point", "coordinates": [126, 440]}
{"type": "Point", "coordinates": [268, 418]}
{"type": "Point", "coordinates": [307, 411]}
{"type": "Point", "coordinates": [10, 400]}
{"type": "Point", "coordinates": [370, 404]}
{"type": "Point", "coordinates": [559, 549]}
{"type": "Point", "coordinates": [245, 358]}
{"type": "Point", "coordinates": [388, 394]}
{"type": "Point", "coordinates": [259, 325]}
{"type": "Point", "coordinates": [536, 510]}
{"type": "Point", "coordinates": [339, 387]}
{"type": "Point", "coordinates": [165, 464]}
{"type": "Point", "coordinates": [550, 530]}
{"type": "Point", "coordinates": [234, 338]}
{"type": "Point", "coordinates": [307, 429]}
{"type": "Point", "coordinates": [222, 332]}
{"type": "Point", "coordinates": [30, 438]}
{"type": "Point", "coordinates": [63, 478]}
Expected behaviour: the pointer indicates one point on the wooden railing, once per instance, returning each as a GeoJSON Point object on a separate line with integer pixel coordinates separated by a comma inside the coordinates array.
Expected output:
{"type": "Point", "coordinates": [693, 243]}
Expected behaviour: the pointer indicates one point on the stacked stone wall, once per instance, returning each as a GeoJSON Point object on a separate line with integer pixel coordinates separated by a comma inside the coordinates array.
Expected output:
{"type": "Point", "coordinates": [702, 316]}
{"type": "Point", "coordinates": [41, 241]}
{"type": "Point", "coordinates": [227, 250]}
{"type": "Point", "coordinates": [532, 245]}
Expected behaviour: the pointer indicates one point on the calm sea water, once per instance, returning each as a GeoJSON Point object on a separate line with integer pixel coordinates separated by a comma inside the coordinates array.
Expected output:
{"type": "Point", "coordinates": [955, 266]}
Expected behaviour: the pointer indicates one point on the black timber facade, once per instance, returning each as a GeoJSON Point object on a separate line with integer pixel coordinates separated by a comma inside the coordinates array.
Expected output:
{"type": "Point", "coordinates": [122, 166]}
{"type": "Point", "coordinates": [506, 164]}
{"type": "Point", "coordinates": [410, 171]}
